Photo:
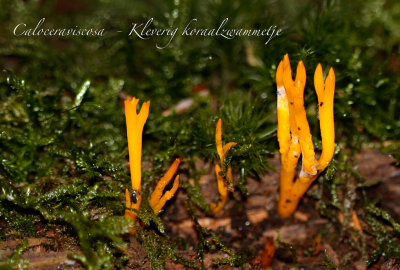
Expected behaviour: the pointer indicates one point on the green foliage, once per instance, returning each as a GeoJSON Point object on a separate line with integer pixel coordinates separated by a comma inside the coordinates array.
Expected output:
{"type": "Point", "coordinates": [209, 241]}
{"type": "Point", "coordinates": [159, 247]}
{"type": "Point", "coordinates": [46, 177]}
{"type": "Point", "coordinates": [337, 192]}
{"type": "Point", "coordinates": [100, 241]}
{"type": "Point", "coordinates": [329, 263]}
{"type": "Point", "coordinates": [394, 150]}
{"type": "Point", "coordinates": [286, 251]}
{"type": "Point", "coordinates": [385, 235]}
{"type": "Point", "coordinates": [244, 122]}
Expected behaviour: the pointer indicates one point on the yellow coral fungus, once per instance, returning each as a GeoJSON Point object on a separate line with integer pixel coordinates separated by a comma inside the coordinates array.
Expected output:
{"type": "Point", "coordinates": [222, 186]}
{"type": "Point", "coordinates": [294, 132]}
{"type": "Point", "coordinates": [134, 125]}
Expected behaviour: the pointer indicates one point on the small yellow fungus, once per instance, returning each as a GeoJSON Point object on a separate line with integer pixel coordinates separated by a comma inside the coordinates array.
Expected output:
{"type": "Point", "coordinates": [134, 125]}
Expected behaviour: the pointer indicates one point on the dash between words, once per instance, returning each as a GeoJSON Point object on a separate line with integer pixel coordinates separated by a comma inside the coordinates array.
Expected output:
{"type": "Point", "coordinates": [145, 31]}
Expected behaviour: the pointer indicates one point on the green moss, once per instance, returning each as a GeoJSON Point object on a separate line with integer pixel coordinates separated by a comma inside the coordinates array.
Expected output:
{"type": "Point", "coordinates": [286, 251]}
{"type": "Point", "coordinates": [386, 237]}
{"type": "Point", "coordinates": [329, 263]}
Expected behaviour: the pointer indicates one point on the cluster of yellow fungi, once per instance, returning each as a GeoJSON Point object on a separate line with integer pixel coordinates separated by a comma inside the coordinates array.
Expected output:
{"type": "Point", "coordinates": [294, 135]}
{"type": "Point", "coordinates": [134, 124]}
{"type": "Point", "coordinates": [221, 182]}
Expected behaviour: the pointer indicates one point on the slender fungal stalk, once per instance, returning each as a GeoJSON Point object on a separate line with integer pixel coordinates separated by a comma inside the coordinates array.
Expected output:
{"type": "Point", "coordinates": [222, 186]}
{"type": "Point", "coordinates": [134, 126]}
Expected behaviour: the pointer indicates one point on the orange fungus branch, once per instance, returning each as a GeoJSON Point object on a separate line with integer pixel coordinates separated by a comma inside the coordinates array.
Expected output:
{"type": "Point", "coordinates": [222, 186]}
